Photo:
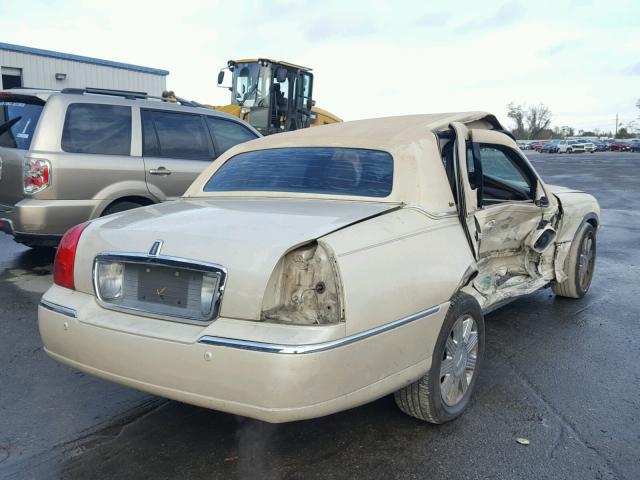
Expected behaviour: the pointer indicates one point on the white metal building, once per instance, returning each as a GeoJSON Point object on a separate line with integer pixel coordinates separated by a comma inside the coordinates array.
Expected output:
{"type": "Point", "coordinates": [33, 67]}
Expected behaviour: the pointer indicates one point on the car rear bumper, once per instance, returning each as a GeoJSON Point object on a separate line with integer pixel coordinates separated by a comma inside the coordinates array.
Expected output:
{"type": "Point", "coordinates": [46, 219]}
{"type": "Point", "coordinates": [258, 379]}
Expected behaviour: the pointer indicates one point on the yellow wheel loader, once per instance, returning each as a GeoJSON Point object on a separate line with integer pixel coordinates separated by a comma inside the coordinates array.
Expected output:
{"type": "Point", "coordinates": [272, 96]}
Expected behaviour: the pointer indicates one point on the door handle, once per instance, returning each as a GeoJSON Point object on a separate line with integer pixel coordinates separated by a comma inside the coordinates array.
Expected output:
{"type": "Point", "coordinates": [159, 171]}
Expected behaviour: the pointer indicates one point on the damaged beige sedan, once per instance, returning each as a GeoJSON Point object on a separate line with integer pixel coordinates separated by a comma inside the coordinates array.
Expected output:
{"type": "Point", "coordinates": [310, 272]}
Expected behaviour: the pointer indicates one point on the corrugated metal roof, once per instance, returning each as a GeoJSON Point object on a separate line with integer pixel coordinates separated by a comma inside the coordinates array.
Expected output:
{"type": "Point", "coordinates": [79, 58]}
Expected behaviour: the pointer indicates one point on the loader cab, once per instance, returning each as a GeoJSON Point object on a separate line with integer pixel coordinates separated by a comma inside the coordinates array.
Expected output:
{"type": "Point", "coordinates": [272, 96]}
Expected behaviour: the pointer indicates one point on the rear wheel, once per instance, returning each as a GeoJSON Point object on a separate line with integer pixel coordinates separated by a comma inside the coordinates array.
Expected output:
{"type": "Point", "coordinates": [121, 206]}
{"type": "Point", "coordinates": [444, 392]}
{"type": "Point", "coordinates": [580, 264]}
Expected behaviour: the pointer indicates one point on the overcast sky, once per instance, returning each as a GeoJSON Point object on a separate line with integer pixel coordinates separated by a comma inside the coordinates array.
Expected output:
{"type": "Point", "coordinates": [371, 58]}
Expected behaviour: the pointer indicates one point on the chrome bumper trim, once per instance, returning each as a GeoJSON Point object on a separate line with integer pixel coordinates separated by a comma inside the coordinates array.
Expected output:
{"type": "Point", "coordinates": [314, 347]}
{"type": "Point", "coordinates": [54, 307]}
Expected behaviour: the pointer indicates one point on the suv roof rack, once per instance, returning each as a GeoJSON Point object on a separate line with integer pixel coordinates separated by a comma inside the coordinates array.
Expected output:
{"type": "Point", "coordinates": [129, 95]}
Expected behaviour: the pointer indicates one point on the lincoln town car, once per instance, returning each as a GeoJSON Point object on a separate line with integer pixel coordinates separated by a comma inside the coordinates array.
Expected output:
{"type": "Point", "coordinates": [310, 272]}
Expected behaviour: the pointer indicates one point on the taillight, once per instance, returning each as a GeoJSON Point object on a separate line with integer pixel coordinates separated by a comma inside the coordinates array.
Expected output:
{"type": "Point", "coordinates": [66, 257]}
{"type": "Point", "coordinates": [37, 175]}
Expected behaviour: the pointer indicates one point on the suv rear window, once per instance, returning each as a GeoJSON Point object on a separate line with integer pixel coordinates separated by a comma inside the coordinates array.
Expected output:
{"type": "Point", "coordinates": [228, 133]}
{"type": "Point", "coordinates": [323, 170]}
{"type": "Point", "coordinates": [174, 135]}
{"type": "Point", "coordinates": [19, 116]}
{"type": "Point", "coordinates": [98, 129]}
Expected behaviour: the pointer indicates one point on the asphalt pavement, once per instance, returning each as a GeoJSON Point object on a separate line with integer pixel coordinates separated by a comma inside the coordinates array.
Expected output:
{"type": "Point", "coordinates": [564, 374]}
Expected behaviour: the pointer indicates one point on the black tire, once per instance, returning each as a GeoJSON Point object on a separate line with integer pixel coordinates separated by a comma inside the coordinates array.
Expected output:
{"type": "Point", "coordinates": [576, 285]}
{"type": "Point", "coordinates": [423, 398]}
{"type": "Point", "coordinates": [121, 206]}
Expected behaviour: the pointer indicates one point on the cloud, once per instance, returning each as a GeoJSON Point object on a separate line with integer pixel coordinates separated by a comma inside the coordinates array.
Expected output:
{"type": "Point", "coordinates": [334, 29]}
{"type": "Point", "coordinates": [555, 49]}
{"type": "Point", "coordinates": [632, 69]}
{"type": "Point", "coordinates": [439, 19]}
{"type": "Point", "coordinates": [507, 14]}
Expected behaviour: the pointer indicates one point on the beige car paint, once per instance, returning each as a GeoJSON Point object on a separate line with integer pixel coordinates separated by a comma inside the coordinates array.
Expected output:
{"type": "Point", "coordinates": [396, 257]}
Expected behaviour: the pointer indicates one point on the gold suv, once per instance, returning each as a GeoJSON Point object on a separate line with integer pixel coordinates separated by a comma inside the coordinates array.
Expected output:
{"type": "Point", "coordinates": [71, 156]}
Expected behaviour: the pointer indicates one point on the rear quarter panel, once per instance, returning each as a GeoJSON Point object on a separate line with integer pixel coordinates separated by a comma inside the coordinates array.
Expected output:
{"type": "Point", "coordinates": [398, 264]}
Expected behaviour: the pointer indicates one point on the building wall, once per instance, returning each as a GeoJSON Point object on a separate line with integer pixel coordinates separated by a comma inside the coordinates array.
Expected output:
{"type": "Point", "coordinates": [39, 72]}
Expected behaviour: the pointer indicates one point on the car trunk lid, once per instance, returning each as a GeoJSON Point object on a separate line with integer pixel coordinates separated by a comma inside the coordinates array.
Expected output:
{"type": "Point", "coordinates": [246, 236]}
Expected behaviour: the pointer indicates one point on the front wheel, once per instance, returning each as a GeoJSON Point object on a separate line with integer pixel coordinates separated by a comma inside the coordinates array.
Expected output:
{"type": "Point", "coordinates": [444, 392]}
{"type": "Point", "coordinates": [580, 264]}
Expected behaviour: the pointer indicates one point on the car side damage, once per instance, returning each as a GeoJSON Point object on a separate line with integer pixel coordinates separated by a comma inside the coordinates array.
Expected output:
{"type": "Point", "coordinates": [516, 226]}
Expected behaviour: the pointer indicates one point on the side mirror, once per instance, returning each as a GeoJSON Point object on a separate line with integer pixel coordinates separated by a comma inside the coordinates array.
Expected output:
{"type": "Point", "coordinates": [281, 75]}
{"type": "Point", "coordinates": [220, 77]}
{"type": "Point", "coordinates": [542, 202]}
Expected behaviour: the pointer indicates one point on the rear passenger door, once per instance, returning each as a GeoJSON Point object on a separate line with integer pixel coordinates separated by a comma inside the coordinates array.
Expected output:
{"type": "Point", "coordinates": [227, 133]}
{"type": "Point", "coordinates": [176, 148]}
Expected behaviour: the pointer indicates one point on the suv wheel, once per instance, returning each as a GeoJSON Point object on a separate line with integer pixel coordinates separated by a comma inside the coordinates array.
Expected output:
{"type": "Point", "coordinates": [444, 392]}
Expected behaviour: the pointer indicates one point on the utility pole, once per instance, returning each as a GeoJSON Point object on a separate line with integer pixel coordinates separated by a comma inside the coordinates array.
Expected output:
{"type": "Point", "coordinates": [616, 135]}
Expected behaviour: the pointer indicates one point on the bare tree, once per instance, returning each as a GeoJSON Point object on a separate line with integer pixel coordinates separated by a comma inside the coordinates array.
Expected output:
{"type": "Point", "coordinates": [538, 118]}
{"type": "Point", "coordinates": [517, 114]}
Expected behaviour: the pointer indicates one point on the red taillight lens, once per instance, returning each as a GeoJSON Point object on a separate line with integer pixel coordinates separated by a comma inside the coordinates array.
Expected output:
{"type": "Point", "coordinates": [66, 257]}
{"type": "Point", "coordinates": [37, 175]}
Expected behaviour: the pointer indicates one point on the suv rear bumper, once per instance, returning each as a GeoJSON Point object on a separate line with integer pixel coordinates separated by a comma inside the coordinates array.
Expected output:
{"type": "Point", "coordinates": [43, 222]}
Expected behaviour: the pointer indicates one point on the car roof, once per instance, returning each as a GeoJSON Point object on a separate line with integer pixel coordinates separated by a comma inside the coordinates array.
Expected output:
{"type": "Point", "coordinates": [45, 95]}
{"type": "Point", "coordinates": [410, 139]}
{"type": "Point", "coordinates": [386, 132]}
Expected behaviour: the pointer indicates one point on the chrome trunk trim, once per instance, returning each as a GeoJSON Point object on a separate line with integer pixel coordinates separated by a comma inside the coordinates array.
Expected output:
{"type": "Point", "coordinates": [167, 261]}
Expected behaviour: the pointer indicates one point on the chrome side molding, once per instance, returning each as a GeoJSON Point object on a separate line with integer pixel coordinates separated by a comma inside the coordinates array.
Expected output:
{"type": "Point", "coordinates": [54, 307]}
{"type": "Point", "coordinates": [314, 347]}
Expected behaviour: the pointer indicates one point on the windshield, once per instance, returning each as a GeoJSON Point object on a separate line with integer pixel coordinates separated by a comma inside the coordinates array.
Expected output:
{"type": "Point", "coordinates": [323, 170]}
{"type": "Point", "coordinates": [251, 84]}
{"type": "Point", "coordinates": [18, 119]}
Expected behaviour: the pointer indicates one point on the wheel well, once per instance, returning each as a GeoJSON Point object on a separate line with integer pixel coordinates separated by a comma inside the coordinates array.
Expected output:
{"type": "Point", "coordinates": [140, 200]}
{"type": "Point", "coordinates": [593, 220]}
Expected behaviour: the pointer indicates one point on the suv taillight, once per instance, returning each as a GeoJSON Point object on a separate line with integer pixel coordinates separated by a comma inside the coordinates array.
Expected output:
{"type": "Point", "coordinates": [63, 266]}
{"type": "Point", "coordinates": [37, 175]}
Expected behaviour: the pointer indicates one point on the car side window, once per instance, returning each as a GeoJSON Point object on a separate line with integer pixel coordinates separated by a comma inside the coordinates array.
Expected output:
{"type": "Point", "coordinates": [174, 135]}
{"type": "Point", "coordinates": [97, 129]}
{"type": "Point", "coordinates": [228, 134]}
{"type": "Point", "coordinates": [503, 178]}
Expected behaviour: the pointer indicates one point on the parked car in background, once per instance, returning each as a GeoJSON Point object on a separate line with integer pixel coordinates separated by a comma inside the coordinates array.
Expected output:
{"type": "Point", "coordinates": [635, 145]}
{"type": "Point", "coordinates": [550, 147]}
{"type": "Point", "coordinates": [70, 156]}
{"type": "Point", "coordinates": [309, 272]}
{"type": "Point", "coordinates": [575, 146]}
{"type": "Point", "coordinates": [600, 145]}
{"type": "Point", "coordinates": [586, 145]}
{"type": "Point", "coordinates": [537, 146]}
{"type": "Point", "coordinates": [620, 146]}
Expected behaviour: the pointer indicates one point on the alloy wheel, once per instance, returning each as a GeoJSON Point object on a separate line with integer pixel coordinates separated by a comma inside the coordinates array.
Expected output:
{"type": "Point", "coordinates": [459, 360]}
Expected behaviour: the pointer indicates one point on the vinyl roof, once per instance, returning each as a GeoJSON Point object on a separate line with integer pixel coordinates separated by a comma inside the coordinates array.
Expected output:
{"type": "Point", "coordinates": [387, 131]}
{"type": "Point", "coordinates": [81, 59]}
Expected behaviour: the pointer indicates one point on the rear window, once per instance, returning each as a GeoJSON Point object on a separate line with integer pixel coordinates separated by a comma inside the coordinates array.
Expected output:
{"type": "Point", "coordinates": [18, 119]}
{"type": "Point", "coordinates": [97, 129]}
{"type": "Point", "coordinates": [323, 170]}
{"type": "Point", "coordinates": [174, 135]}
{"type": "Point", "coordinates": [228, 133]}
